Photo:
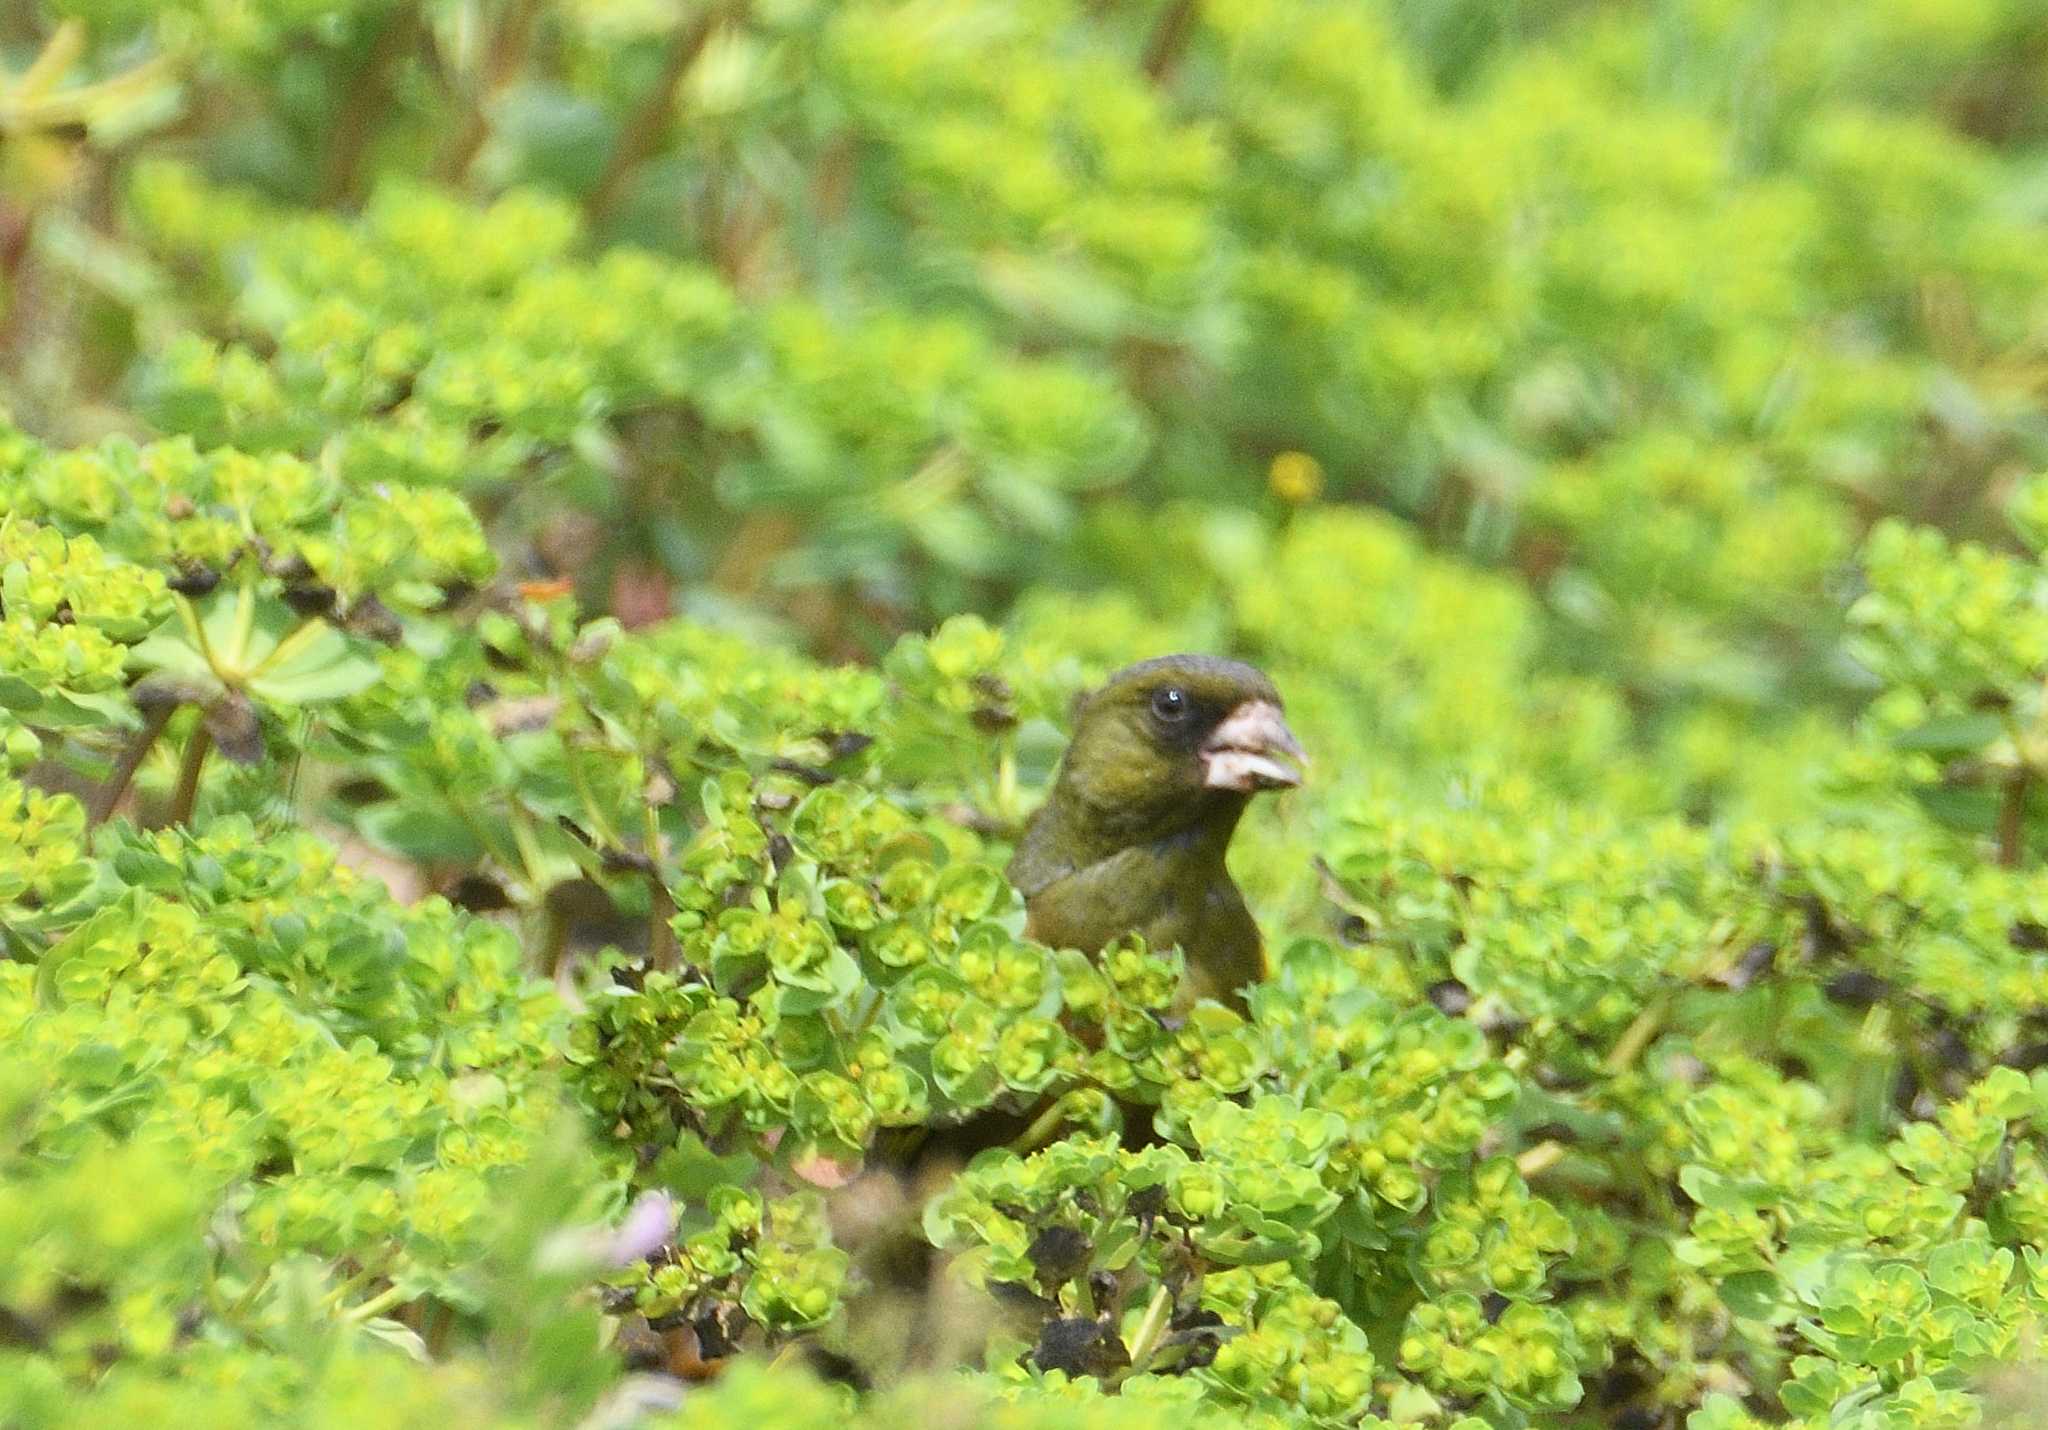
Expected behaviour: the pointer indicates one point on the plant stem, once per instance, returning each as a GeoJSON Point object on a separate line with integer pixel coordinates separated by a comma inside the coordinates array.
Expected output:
{"type": "Point", "coordinates": [501, 62]}
{"type": "Point", "coordinates": [1637, 1036]}
{"type": "Point", "coordinates": [640, 133]}
{"type": "Point", "coordinates": [579, 780]}
{"type": "Point", "coordinates": [867, 1015]}
{"type": "Point", "coordinates": [342, 1292]}
{"type": "Point", "coordinates": [2012, 812]}
{"type": "Point", "coordinates": [189, 768]}
{"type": "Point", "coordinates": [123, 773]}
{"type": "Point", "coordinates": [554, 941]}
{"type": "Point", "coordinates": [531, 861]}
{"type": "Point", "coordinates": [1540, 1158]}
{"type": "Point", "coordinates": [196, 628]}
{"type": "Point", "coordinates": [1150, 1331]}
{"type": "Point", "coordinates": [1041, 1129]}
{"type": "Point", "coordinates": [1006, 781]}
{"type": "Point", "coordinates": [661, 939]}
{"type": "Point", "coordinates": [369, 98]}
{"type": "Point", "coordinates": [376, 1306]}
{"type": "Point", "coordinates": [1169, 38]}
{"type": "Point", "coordinates": [59, 53]}
{"type": "Point", "coordinates": [249, 1294]}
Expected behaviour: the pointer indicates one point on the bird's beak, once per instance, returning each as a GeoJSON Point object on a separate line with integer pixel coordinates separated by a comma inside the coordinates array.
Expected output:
{"type": "Point", "coordinates": [1253, 750]}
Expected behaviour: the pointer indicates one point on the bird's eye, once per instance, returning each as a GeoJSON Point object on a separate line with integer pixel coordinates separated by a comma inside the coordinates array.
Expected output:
{"type": "Point", "coordinates": [1170, 703]}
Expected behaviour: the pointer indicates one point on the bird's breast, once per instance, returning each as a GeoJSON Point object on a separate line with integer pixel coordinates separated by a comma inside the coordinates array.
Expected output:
{"type": "Point", "coordinates": [1192, 905]}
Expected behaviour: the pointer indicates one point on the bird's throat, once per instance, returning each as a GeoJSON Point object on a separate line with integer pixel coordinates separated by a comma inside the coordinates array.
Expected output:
{"type": "Point", "coordinates": [1196, 830]}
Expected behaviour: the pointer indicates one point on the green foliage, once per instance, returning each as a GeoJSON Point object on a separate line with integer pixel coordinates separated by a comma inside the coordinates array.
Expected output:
{"type": "Point", "coordinates": [242, 1071]}
{"type": "Point", "coordinates": [429, 343]}
{"type": "Point", "coordinates": [544, 555]}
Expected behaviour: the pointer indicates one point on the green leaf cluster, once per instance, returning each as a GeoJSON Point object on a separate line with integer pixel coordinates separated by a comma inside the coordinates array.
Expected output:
{"type": "Point", "coordinates": [545, 550]}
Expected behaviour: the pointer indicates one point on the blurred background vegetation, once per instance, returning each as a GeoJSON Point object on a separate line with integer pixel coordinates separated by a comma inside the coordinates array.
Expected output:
{"type": "Point", "coordinates": [850, 316]}
{"type": "Point", "coordinates": [1615, 425]}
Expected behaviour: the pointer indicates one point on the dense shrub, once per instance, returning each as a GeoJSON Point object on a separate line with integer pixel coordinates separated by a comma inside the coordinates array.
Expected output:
{"type": "Point", "coordinates": [544, 556]}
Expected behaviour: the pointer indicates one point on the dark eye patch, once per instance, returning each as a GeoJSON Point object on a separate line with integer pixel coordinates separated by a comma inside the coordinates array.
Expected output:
{"type": "Point", "coordinates": [1180, 717]}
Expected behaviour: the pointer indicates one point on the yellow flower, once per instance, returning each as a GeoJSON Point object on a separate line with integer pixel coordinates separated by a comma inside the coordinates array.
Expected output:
{"type": "Point", "coordinates": [1295, 477]}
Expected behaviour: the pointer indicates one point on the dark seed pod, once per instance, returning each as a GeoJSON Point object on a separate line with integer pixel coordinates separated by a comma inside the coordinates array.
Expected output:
{"type": "Point", "coordinates": [1059, 1254]}
{"type": "Point", "coordinates": [310, 600]}
{"type": "Point", "coordinates": [165, 691]}
{"type": "Point", "coordinates": [1857, 988]}
{"type": "Point", "coordinates": [1079, 1347]}
{"type": "Point", "coordinates": [193, 578]}
{"type": "Point", "coordinates": [374, 620]}
{"type": "Point", "coordinates": [1451, 997]}
{"type": "Point", "coordinates": [236, 728]}
{"type": "Point", "coordinates": [848, 743]}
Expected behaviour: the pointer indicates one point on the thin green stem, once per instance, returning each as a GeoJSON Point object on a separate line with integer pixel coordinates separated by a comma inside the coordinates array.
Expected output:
{"type": "Point", "coordinates": [530, 858]}
{"type": "Point", "coordinates": [376, 1306]}
{"type": "Point", "coordinates": [245, 624]}
{"type": "Point", "coordinates": [247, 1299]}
{"type": "Point", "coordinates": [1540, 1158]}
{"type": "Point", "coordinates": [579, 780]}
{"type": "Point", "coordinates": [661, 938]}
{"type": "Point", "coordinates": [348, 1287]}
{"type": "Point", "coordinates": [1041, 1129]}
{"type": "Point", "coordinates": [1151, 1330]}
{"type": "Point", "coordinates": [867, 1015]}
{"type": "Point", "coordinates": [196, 628]}
{"type": "Point", "coordinates": [1006, 781]}
{"type": "Point", "coordinates": [1637, 1036]}
{"type": "Point", "coordinates": [291, 787]}
{"type": "Point", "coordinates": [486, 834]}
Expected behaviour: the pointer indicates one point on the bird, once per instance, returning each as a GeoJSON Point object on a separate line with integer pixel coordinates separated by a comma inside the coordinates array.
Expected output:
{"type": "Point", "coordinates": [1165, 756]}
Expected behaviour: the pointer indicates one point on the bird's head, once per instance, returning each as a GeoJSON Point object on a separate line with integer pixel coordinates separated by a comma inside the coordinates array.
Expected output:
{"type": "Point", "coordinates": [1166, 743]}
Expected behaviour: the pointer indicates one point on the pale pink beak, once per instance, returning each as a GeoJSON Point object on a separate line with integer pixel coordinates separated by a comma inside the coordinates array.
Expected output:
{"type": "Point", "coordinates": [1253, 750]}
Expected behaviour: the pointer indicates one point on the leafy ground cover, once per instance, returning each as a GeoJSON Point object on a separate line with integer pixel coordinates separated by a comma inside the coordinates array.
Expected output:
{"type": "Point", "coordinates": [544, 555]}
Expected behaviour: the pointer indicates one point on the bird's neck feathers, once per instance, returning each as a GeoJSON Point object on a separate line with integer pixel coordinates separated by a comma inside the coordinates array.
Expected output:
{"type": "Point", "coordinates": [1071, 832]}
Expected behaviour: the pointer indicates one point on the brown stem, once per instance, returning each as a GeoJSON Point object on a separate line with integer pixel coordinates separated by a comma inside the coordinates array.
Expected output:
{"type": "Point", "coordinates": [189, 768]}
{"type": "Point", "coordinates": [123, 773]}
{"type": "Point", "coordinates": [502, 61]}
{"type": "Point", "coordinates": [641, 132]}
{"type": "Point", "coordinates": [2012, 811]}
{"type": "Point", "coordinates": [736, 236]}
{"type": "Point", "coordinates": [832, 184]}
{"type": "Point", "coordinates": [1170, 39]}
{"type": "Point", "coordinates": [356, 123]}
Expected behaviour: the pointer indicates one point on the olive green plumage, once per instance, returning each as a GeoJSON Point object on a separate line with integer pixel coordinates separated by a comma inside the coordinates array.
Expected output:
{"type": "Point", "coordinates": [1164, 758]}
